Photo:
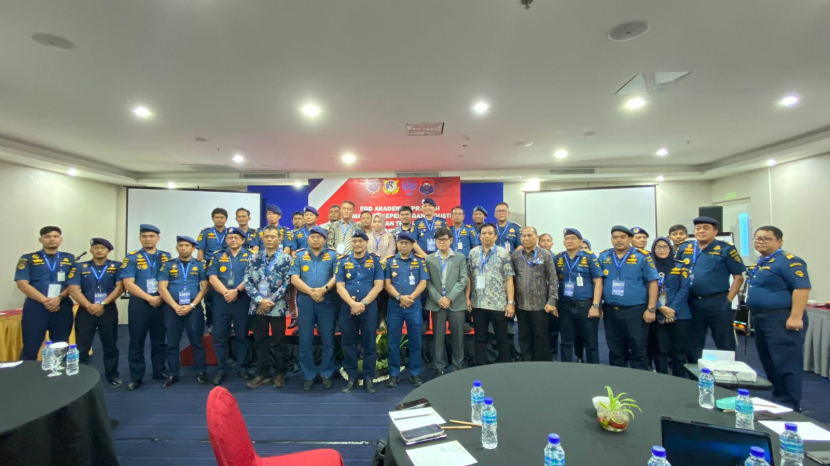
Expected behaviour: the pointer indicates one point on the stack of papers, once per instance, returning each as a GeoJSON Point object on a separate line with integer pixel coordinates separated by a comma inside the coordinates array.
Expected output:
{"type": "Point", "coordinates": [807, 430]}
{"type": "Point", "coordinates": [760, 404]}
{"type": "Point", "coordinates": [9, 365]}
{"type": "Point", "coordinates": [414, 418]}
{"type": "Point", "coordinates": [445, 454]}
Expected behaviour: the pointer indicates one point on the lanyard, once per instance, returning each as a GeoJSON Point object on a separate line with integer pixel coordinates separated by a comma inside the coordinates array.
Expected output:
{"type": "Point", "coordinates": [499, 230]}
{"type": "Point", "coordinates": [95, 274]}
{"type": "Point", "coordinates": [269, 266]}
{"type": "Point", "coordinates": [456, 232]}
{"type": "Point", "coordinates": [485, 259]}
{"type": "Point", "coordinates": [571, 267]}
{"type": "Point", "coordinates": [443, 263]}
{"type": "Point", "coordinates": [619, 264]}
{"type": "Point", "coordinates": [152, 263]}
{"type": "Point", "coordinates": [696, 254]}
{"type": "Point", "coordinates": [429, 226]}
{"type": "Point", "coordinates": [54, 265]}
{"type": "Point", "coordinates": [377, 241]}
{"type": "Point", "coordinates": [344, 230]}
{"type": "Point", "coordinates": [183, 273]}
{"type": "Point", "coordinates": [533, 262]}
{"type": "Point", "coordinates": [660, 282]}
{"type": "Point", "coordinates": [761, 261]}
{"type": "Point", "coordinates": [220, 240]}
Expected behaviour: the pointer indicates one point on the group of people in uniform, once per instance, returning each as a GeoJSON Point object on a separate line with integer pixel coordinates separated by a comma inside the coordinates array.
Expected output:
{"type": "Point", "coordinates": [657, 304]}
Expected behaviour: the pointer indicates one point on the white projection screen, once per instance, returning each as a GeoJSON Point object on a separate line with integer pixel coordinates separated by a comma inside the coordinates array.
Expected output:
{"type": "Point", "coordinates": [593, 212]}
{"type": "Point", "coordinates": [182, 212]}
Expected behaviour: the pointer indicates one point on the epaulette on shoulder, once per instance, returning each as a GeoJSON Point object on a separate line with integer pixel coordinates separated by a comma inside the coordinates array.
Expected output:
{"type": "Point", "coordinates": [789, 255]}
{"type": "Point", "coordinates": [206, 228]}
{"type": "Point", "coordinates": [589, 252]}
{"type": "Point", "coordinates": [418, 255]}
{"type": "Point", "coordinates": [300, 250]}
{"type": "Point", "coordinates": [389, 256]}
{"type": "Point", "coordinates": [643, 251]}
{"type": "Point", "coordinates": [468, 226]}
{"type": "Point", "coordinates": [603, 252]}
{"type": "Point", "coordinates": [132, 253]}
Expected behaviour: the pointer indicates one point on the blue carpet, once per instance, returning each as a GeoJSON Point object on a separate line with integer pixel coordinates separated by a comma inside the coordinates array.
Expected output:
{"type": "Point", "coordinates": [168, 427]}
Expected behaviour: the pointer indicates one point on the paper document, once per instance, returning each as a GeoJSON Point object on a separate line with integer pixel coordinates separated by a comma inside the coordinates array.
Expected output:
{"type": "Point", "coordinates": [9, 365]}
{"type": "Point", "coordinates": [807, 430]}
{"type": "Point", "coordinates": [414, 418]}
{"type": "Point", "coordinates": [760, 404]}
{"type": "Point", "coordinates": [445, 454]}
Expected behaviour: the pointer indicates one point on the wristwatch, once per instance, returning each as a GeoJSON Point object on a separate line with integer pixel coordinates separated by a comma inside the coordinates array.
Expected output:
{"type": "Point", "coordinates": [363, 302]}
{"type": "Point", "coordinates": [398, 297]}
{"type": "Point", "coordinates": [595, 305]}
{"type": "Point", "coordinates": [512, 303]}
{"type": "Point", "coordinates": [652, 310]}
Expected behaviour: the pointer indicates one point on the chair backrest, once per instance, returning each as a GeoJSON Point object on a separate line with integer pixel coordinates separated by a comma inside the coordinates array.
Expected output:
{"type": "Point", "coordinates": [228, 432]}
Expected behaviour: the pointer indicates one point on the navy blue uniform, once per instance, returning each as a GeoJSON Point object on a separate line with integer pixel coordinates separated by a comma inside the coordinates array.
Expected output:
{"type": "Point", "coordinates": [625, 295]}
{"type": "Point", "coordinates": [509, 236]}
{"type": "Point", "coordinates": [44, 272]}
{"type": "Point", "coordinates": [184, 281]}
{"type": "Point", "coordinates": [464, 239]}
{"type": "Point", "coordinates": [252, 241]}
{"type": "Point", "coordinates": [286, 238]}
{"type": "Point", "coordinates": [231, 272]}
{"type": "Point", "coordinates": [671, 341]}
{"type": "Point", "coordinates": [299, 239]}
{"type": "Point", "coordinates": [144, 318]}
{"type": "Point", "coordinates": [576, 296]}
{"type": "Point", "coordinates": [211, 241]}
{"type": "Point", "coordinates": [709, 272]}
{"type": "Point", "coordinates": [425, 229]}
{"type": "Point", "coordinates": [316, 270]}
{"type": "Point", "coordinates": [405, 275]}
{"type": "Point", "coordinates": [359, 276]}
{"type": "Point", "coordinates": [96, 283]}
{"type": "Point", "coordinates": [769, 296]}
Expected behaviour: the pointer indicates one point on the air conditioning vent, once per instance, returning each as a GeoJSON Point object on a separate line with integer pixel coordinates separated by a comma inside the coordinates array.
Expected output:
{"type": "Point", "coordinates": [573, 171]}
{"type": "Point", "coordinates": [264, 176]}
{"type": "Point", "coordinates": [417, 175]}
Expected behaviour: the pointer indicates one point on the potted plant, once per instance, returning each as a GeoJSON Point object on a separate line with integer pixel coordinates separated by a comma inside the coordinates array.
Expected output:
{"type": "Point", "coordinates": [615, 414]}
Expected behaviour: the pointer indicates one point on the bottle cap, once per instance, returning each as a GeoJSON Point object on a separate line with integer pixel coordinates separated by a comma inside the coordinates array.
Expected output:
{"type": "Point", "coordinates": [73, 346]}
{"type": "Point", "coordinates": [488, 401]}
{"type": "Point", "coordinates": [706, 370]}
{"type": "Point", "coordinates": [743, 392]}
{"type": "Point", "coordinates": [658, 451]}
{"type": "Point", "coordinates": [553, 439]}
{"type": "Point", "coordinates": [791, 426]}
{"type": "Point", "coordinates": [476, 383]}
{"type": "Point", "coordinates": [757, 452]}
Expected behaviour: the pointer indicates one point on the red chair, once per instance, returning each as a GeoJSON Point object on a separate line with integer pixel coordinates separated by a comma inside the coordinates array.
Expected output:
{"type": "Point", "coordinates": [232, 444]}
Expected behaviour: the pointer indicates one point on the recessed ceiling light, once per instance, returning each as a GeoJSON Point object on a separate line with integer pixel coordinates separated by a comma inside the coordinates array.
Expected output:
{"type": "Point", "coordinates": [660, 178]}
{"type": "Point", "coordinates": [771, 162]}
{"type": "Point", "coordinates": [789, 100]}
{"type": "Point", "coordinates": [72, 172]}
{"type": "Point", "coordinates": [523, 144]}
{"type": "Point", "coordinates": [310, 110]}
{"type": "Point", "coordinates": [171, 185]}
{"type": "Point", "coordinates": [298, 185]}
{"type": "Point", "coordinates": [53, 41]}
{"type": "Point", "coordinates": [142, 112]}
{"type": "Point", "coordinates": [635, 103]}
{"type": "Point", "coordinates": [481, 107]}
{"type": "Point", "coordinates": [238, 158]}
{"type": "Point", "coordinates": [662, 152]}
{"type": "Point", "coordinates": [590, 133]}
{"type": "Point", "coordinates": [560, 154]}
{"type": "Point", "coordinates": [349, 158]}
{"type": "Point", "coordinates": [200, 139]}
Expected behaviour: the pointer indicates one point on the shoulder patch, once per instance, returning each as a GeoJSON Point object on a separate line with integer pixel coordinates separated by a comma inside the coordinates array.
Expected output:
{"type": "Point", "coordinates": [418, 255]}
{"type": "Point", "coordinates": [643, 251]}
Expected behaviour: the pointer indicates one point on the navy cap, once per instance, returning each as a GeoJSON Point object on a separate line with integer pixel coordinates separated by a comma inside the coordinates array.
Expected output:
{"type": "Point", "coordinates": [187, 239]}
{"type": "Point", "coordinates": [639, 231]}
{"type": "Point", "coordinates": [478, 208]}
{"type": "Point", "coordinates": [622, 229]}
{"type": "Point", "coordinates": [147, 227]}
{"type": "Point", "coordinates": [296, 213]}
{"type": "Point", "coordinates": [360, 234]}
{"type": "Point", "coordinates": [273, 208]}
{"type": "Point", "coordinates": [705, 220]}
{"type": "Point", "coordinates": [572, 231]}
{"type": "Point", "coordinates": [430, 201]}
{"type": "Point", "coordinates": [405, 235]}
{"type": "Point", "coordinates": [102, 242]}
{"type": "Point", "coordinates": [317, 230]}
{"type": "Point", "coordinates": [235, 231]}
{"type": "Point", "coordinates": [308, 208]}
{"type": "Point", "coordinates": [588, 243]}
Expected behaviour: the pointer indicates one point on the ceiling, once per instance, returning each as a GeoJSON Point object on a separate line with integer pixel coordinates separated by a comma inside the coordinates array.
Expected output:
{"type": "Point", "coordinates": [236, 74]}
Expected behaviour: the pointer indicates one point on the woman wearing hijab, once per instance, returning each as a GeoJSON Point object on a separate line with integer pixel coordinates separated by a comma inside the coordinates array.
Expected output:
{"type": "Point", "coordinates": [381, 243]}
{"type": "Point", "coordinates": [668, 333]}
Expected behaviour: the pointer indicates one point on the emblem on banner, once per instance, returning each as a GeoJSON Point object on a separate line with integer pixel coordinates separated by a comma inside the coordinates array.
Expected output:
{"type": "Point", "coordinates": [409, 186]}
{"type": "Point", "coordinates": [427, 187]}
{"type": "Point", "coordinates": [372, 186]}
{"type": "Point", "coordinates": [391, 187]}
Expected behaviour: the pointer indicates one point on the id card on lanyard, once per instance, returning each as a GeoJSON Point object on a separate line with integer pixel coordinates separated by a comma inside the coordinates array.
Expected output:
{"type": "Point", "coordinates": [481, 282]}
{"type": "Point", "coordinates": [618, 285]}
{"type": "Point", "coordinates": [431, 229]}
{"type": "Point", "coordinates": [264, 287]}
{"type": "Point", "coordinates": [54, 289]}
{"type": "Point", "coordinates": [457, 234]}
{"type": "Point", "coordinates": [569, 285]}
{"type": "Point", "coordinates": [100, 295]}
{"type": "Point", "coordinates": [661, 296]}
{"type": "Point", "coordinates": [231, 280]}
{"type": "Point", "coordinates": [152, 283]}
{"type": "Point", "coordinates": [443, 263]}
{"type": "Point", "coordinates": [184, 294]}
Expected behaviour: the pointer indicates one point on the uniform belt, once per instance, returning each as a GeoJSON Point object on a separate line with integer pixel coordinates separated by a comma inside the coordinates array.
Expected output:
{"type": "Point", "coordinates": [623, 308]}
{"type": "Point", "coordinates": [769, 311]}
{"type": "Point", "coordinates": [707, 296]}
{"type": "Point", "coordinates": [573, 301]}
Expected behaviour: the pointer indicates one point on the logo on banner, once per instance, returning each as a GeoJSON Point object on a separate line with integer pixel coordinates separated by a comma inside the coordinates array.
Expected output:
{"type": "Point", "coordinates": [372, 186]}
{"type": "Point", "coordinates": [409, 186]}
{"type": "Point", "coordinates": [427, 187]}
{"type": "Point", "coordinates": [391, 187]}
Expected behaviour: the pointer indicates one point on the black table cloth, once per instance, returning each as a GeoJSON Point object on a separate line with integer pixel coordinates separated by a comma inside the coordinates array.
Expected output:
{"type": "Point", "coordinates": [534, 399]}
{"type": "Point", "coordinates": [53, 420]}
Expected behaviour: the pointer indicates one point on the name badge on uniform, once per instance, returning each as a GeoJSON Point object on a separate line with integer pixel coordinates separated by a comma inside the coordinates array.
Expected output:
{"type": "Point", "coordinates": [341, 248]}
{"type": "Point", "coordinates": [480, 282]}
{"type": "Point", "coordinates": [54, 290]}
{"type": "Point", "coordinates": [661, 300]}
{"type": "Point", "coordinates": [411, 279]}
{"type": "Point", "coordinates": [152, 285]}
{"type": "Point", "coordinates": [579, 281]}
{"type": "Point", "coordinates": [431, 245]}
{"type": "Point", "coordinates": [61, 277]}
{"type": "Point", "coordinates": [691, 277]}
{"type": "Point", "coordinates": [460, 245]}
{"type": "Point", "coordinates": [99, 298]}
{"type": "Point", "coordinates": [184, 297]}
{"type": "Point", "coordinates": [231, 281]}
{"type": "Point", "coordinates": [569, 289]}
{"type": "Point", "coordinates": [618, 288]}
{"type": "Point", "coordinates": [263, 288]}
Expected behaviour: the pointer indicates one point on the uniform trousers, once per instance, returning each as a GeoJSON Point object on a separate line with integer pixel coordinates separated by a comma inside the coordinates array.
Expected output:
{"type": "Point", "coordinates": [782, 354]}
{"type": "Point", "coordinates": [144, 319]}
{"type": "Point", "coordinates": [395, 319]}
{"type": "Point", "coordinates": [533, 335]}
{"type": "Point", "coordinates": [225, 314]}
{"type": "Point", "coordinates": [194, 325]}
{"type": "Point", "coordinates": [670, 346]}
{"type": "Point", "coordinates": [627, 335]}
{"type": "Point", "coordinates": [107, 326]}
{"type": "Point", "coordinates": [36, 320]}
{"type": "Point", "coordinates": [324, 315]}
{"type": "Point", "coordinates": [366, 324]}
{"type": "Point", "coordinates": [574, 323]}
{"type": "Point", "coordinates": [713, 313]}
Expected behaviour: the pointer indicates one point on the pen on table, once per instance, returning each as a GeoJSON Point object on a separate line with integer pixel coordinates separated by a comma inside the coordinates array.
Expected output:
{"type": "Point", "coordinates": [456, 427]}
{"type": "Point", "coordinates": [464, 423]}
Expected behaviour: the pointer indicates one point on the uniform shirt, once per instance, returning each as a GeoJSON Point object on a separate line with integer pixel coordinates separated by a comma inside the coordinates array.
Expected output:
{"type": "Point", "coordinates": [773, 279]}
{"type": "Point", "coordinates": [299, 239]}
{"type": "Point", "coordinates": [464, 239]}
{"type": "Point", "coordinates": [400, 228]}
{"type": "Point", "coordinates": [143, 266]}
{"type": "Point", "coordinates": [315, 270]}
{"type": "Point", "coordinates": [425, 229]}
{"type": "Point", "coordinates": [41, 270]}
{"type": "Point", "coordinates": [340, 232]}
{"type": "Point", "coordinates": [181, 275]}
{"type": "Point", "coordinates": [710, 268]}
{"type": "Point", "coordinates": [252, 239]}
{"type": "Point", "coordinates": [509, 237]}
{"type": "Point", "coordinates": [211, 241]}
{"type": "Point", "coordinates": [585, 265]}
{"type": "Point", "coordinates": [535, 283]}
{"type": "Point", "coordinates": [674, 292]}
{"type": "Point", "coordinates": [95, 278]}
{"type": "Point", "coordinates": [266, 277]}
{"type": "Point", "coordinates": [286, 237]}
{"type": "Point", "coordinates": [495, 267]}
{"type": "Point", "coordinates": [359, 275]}
{"type": "Point", "coordinates": [226, 266]}
{"type": "Point", "coordinates": [406, 275]}
{"type": "Point", "coordinates": [636, 271]}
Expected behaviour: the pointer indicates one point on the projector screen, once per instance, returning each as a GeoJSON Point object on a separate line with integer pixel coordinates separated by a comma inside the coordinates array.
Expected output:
{"type": "Point", "coordinates": [182, 212]}
{"type": "Point", "coordinates": [593, 212]}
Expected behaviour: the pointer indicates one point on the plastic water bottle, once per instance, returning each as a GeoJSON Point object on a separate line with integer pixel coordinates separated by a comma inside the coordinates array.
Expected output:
{"type": "Point", "coordinates": [756, 457]}
{"type": "Point", "coordinates": [476, 401]}
{"type": "Point", "coordinates": [706, 387]}
{"type": "Point", "coordinates": [792, 447]}
{"type": "Point", "coordinates": [554, 454]}
{"type": "Point", "coordinates": [744, 411]}
{"type": "Point", "coordinates": [72, 358]}
{"type": "Point", "coordinates": [658, 457]}
{"type": "Point", "coordinates": [489, 439]}
{"type": "Point", "coordinates": [46, 357]}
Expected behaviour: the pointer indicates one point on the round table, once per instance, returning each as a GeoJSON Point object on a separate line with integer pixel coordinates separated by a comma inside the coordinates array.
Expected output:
{"type": "Point", "coordinates": [53, 420]}
{"type": "Point", "coordinates": [534, 399]}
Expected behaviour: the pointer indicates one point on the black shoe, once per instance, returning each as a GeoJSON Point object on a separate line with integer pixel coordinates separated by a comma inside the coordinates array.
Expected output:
{"type": "Point", "coordinates": [349, 387]}
{"type": "Point", "coordinates": [327, 382]}
{"type": "Point", "coordinates": [115, 383]}
{"type": "Point", "coordinates": [159, 377]}
{"type": "Point", "coordinates": [392, 382]}
{"type": "Point", "coordinates": [438, 374]}
{"type": "Point", "coordinates": [293, 323]}
{"type": "Point", "coordinates": [202, 378]}
{"type": "Point", "coordinates": [369, 386]}
{"type": "Point", "coordinates": [210, 328]}
{"type": "Point", "coordinates": [172, 379]}
{"type": "Point", "coordinates": [133, 385]}
{"type": "Point", "coordinates": [308, 385]}
{"type": "Point", "coordinates": [416, 380]}
{"type": "Point", "coordinates": [468, 328]}
{"type": "Point", "coordinates": [243, 374]}
{"type": "Point", "coordinates": [218, 378]}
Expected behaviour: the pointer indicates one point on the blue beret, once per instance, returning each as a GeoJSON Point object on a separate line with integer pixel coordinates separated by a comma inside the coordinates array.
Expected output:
{"type": "Point", "coordinates": [588, 243]}
{"type": "Point", "coordinates": [622, 229]}
{"type": "Point", "coordinates": [360, 234]}
{"type": "Point", "coordinates": [308, 208]}
{"type": "Point", "coordinates": [639, 231]}
{"type": "Point", "coordinates": [405, 235]}
{"type": "Point", "coordinates": [102, 242]}
{"type": "Point", "coordinates": [297, 212]}
{"type": "Point", "coordinates": [316, 230]}
{"type": "Point", "coordinates": [429, 201]}
{"type": "Point", "coordinates": [572, 231]}
{"type": "Point", "coordinates": [187, 239]}
{"type": "Point", "coordinates": [147, 227]}
{"type": "Point", "coordinates": [235, 231]}
{"type": "Point", "coordinates": [273, 208]}
{"type": "Point", "coordinates": [478, 208]}
{"type": "Point", "coordinates": [706, 220]}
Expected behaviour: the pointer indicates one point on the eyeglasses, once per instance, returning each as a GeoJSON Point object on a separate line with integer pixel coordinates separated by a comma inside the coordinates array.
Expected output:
{"type": "Point", "coordinates": [661, 248]}
{"type": "Point", "coordinates": [502, 211]}
{"type": "Point", "coordinates": [446, 238]}
{"type": "Point", "coordinates": [759, 239]}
